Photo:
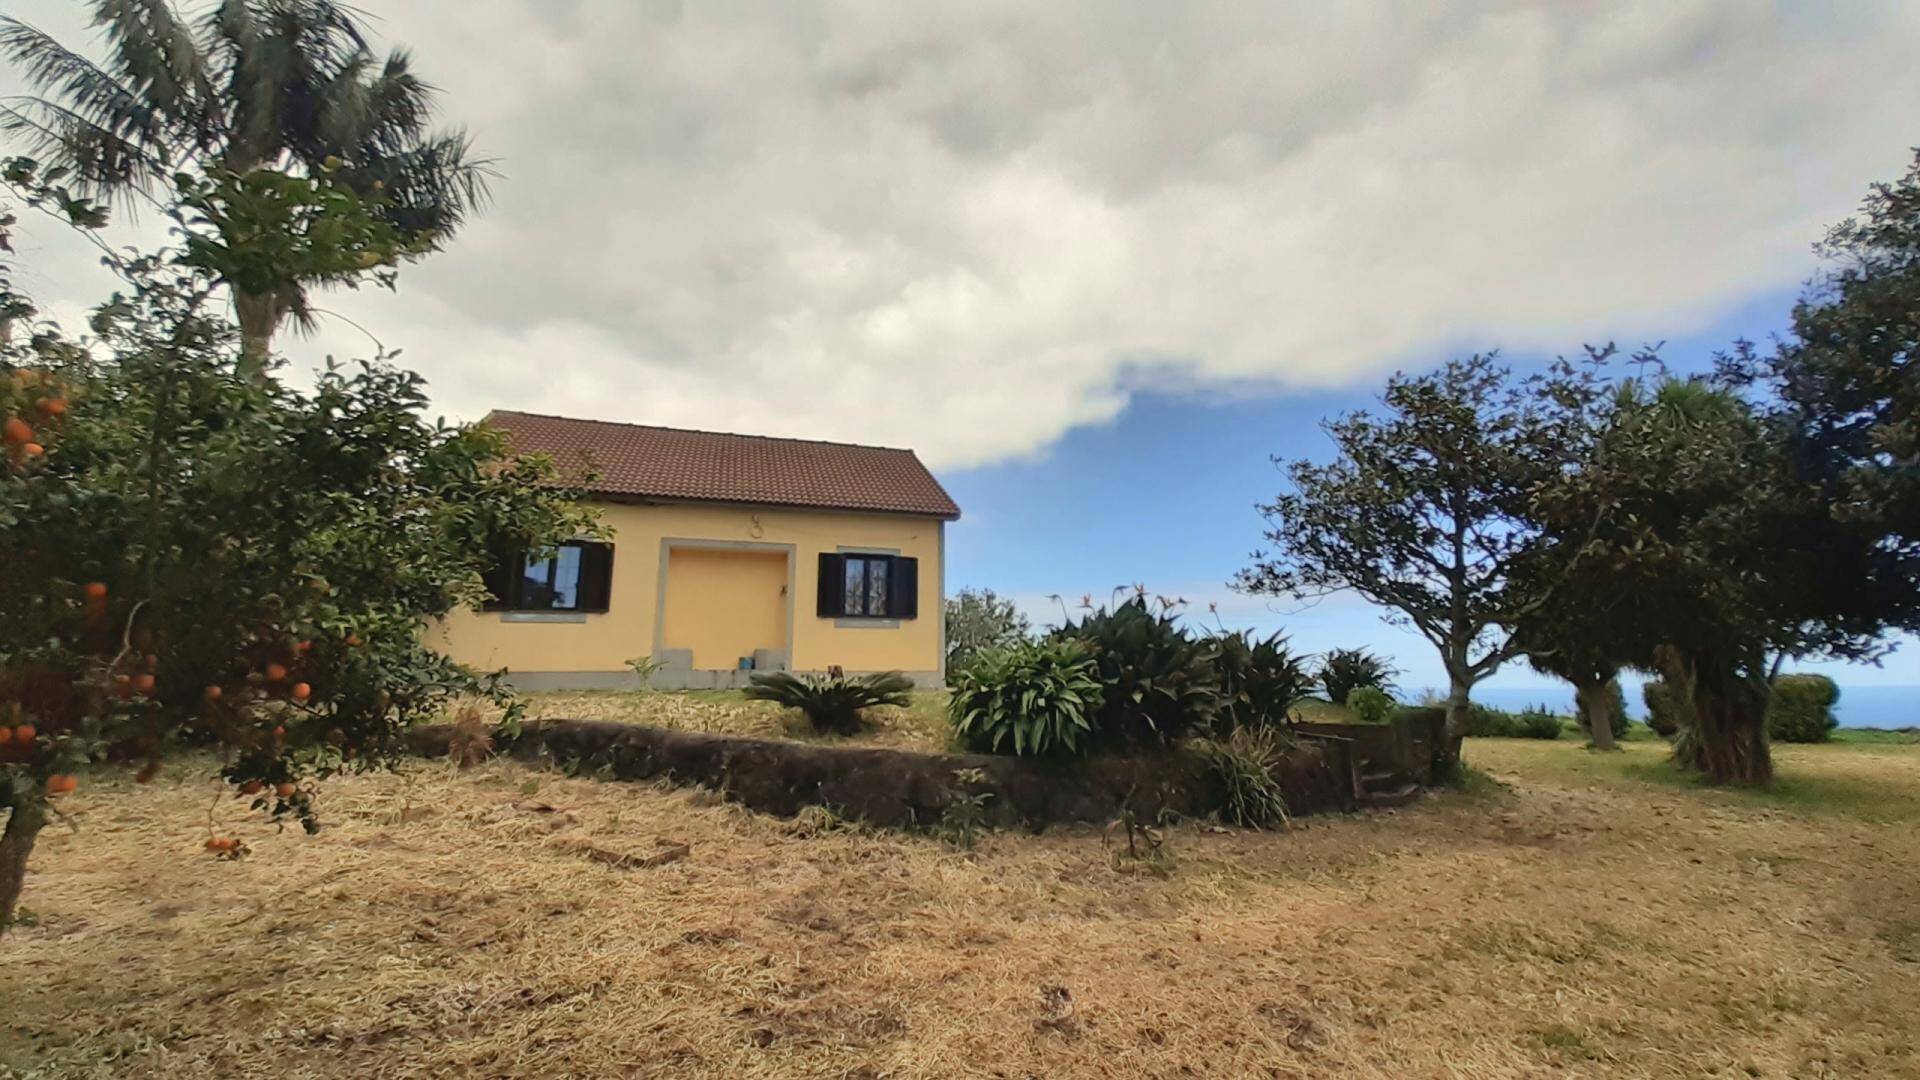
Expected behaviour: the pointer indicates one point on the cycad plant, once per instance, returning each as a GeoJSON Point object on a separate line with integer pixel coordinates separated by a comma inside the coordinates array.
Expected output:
{"type": "Point", "coordinates": [287, 87]}
{"type": "Point", "coordinates": [832, 703]}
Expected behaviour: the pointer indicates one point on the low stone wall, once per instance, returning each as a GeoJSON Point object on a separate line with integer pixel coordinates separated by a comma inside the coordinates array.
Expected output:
{"type": "Point", "coordinates": [906, 788]}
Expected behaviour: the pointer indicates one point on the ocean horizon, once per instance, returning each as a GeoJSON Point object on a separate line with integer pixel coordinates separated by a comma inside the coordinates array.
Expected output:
{"type": "Point", "coordinates": [1865, 706]}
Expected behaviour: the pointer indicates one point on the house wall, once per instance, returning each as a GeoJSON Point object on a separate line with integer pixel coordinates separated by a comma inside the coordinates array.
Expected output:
{"type": "Point", "coordinates": [566, 650]}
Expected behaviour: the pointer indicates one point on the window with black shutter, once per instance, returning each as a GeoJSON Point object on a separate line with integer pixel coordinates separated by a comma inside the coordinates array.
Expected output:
{"type": "Point", "coordinates": [860, 586]}
{"type": "Point", "coordinates": [576, 576]}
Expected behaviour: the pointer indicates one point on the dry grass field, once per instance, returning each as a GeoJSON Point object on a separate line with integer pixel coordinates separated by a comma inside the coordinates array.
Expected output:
{"type": "Point", "coordinates": [1566, 915]}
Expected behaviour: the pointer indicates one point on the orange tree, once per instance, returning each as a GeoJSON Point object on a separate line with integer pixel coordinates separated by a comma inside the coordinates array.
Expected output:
{"type": "Point", "coordinates": [198, 557]}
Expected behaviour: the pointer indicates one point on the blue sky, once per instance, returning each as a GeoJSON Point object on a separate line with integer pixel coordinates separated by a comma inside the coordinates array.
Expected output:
{"type": "Point", "coordinates": [1165, 495]}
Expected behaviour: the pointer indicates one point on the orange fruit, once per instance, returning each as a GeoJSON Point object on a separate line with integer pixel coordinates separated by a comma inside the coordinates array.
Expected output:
{"type": "Point", "coordinates": [276, 672]}
{"type": "Point", "coordinates": [300, 647]}
{"type": "Point", "coordinates": [252, 787]}
{"type": "Point", "coordinates": [96, 590]}
{"type": "Point", "coordinates": [16, 431]}
{"type": "Point", "coordinates": [61, 784]}
{"type": "Point", "coordinates": [301, 691]}
{"type": "Point", "coordinates": [33, 450]}
{"type": "Point", "coordinates": [212, 693]}
{"type": "Point", "coordinates": [279, 731]}
{"type": "Point", "coordinates": [54, 407]}
{"type": "Point", "coordinates": [284, 790]}
{"type": "Point", "coordinates": [24, 733]}
{"type": "Point", "coordinates": [353, 640]}
{"type": "Point", "coordinates": [6, 734]}
{"type": "Point", "coordinates": [143, 684]}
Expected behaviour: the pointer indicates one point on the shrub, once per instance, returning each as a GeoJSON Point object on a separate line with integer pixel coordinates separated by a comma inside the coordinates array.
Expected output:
{"type": "Point", "coordinates": [1370, 705]}
{"type": "Point", "coordinates": [832, 703]}
{"type": "Point", "coordinates": [1800, 708]}
{"type": "Point", "coordinates": [1243, 764]}
{"type": "Point", "coordinates": [1160, 684]}
{"type": "Point", "coordinates": [1616, 711]}
{"type": "Point", "coordinates": [1032, 698]}
{"type": "Point", "coordinates": [1485, 722]}
{"type": "Point", "coordinates": [1260, 679]}
{"type": "Point", "coordinates": [1537, 723]}
{"type": "Point", "coordinates": [1343, 671]}
{"type": "Point", "coordinates": [1667, 713]}
{"type": "Point", "coordinates": [979, 621]}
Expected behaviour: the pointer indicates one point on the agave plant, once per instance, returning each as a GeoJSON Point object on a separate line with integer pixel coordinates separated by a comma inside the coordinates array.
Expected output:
{"type": "Point", "coordinates": [1160, 683]}
{"type": "Point", "coordinates": [832, 703]}
{"type": "Point", "coordinates": [1033, 699]}
{"type": "Point", "coordinates": [1260, 679]}
{"type": "Point", "coordinates": [1342, 671]}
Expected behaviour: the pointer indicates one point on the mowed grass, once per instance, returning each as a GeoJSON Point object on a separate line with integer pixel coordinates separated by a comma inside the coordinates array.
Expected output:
{"type": "Point", "coordinates": [1569, 914]}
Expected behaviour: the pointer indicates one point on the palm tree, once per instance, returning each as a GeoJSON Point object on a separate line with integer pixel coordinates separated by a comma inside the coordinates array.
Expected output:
{"type": "Point", "coordinates": [280, 85]}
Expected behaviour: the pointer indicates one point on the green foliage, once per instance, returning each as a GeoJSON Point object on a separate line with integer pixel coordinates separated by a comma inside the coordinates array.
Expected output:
{"type": "Point", "coordinates": [1243, 765]}
{"type": "Point", "coordinates": [1160, 683]}
{"type": "Point", "coordinates": [1800, 708]}
{"type": "Point", "coordinates": [1537, 723]}
{"type": "Point", "coordinates": [263, 96]}
{"type": "Point", "coordinates": [1371, 705]}
{"type": "Point", "coordinates": [1421, 511]}
{"type": "Point", "coordinates": [1342, 671]}
{"type": "Point", "coordinates": [194, 556]}
{"type": "Point", "coordinates": [1848, 376]}
{"type": "Point", "coordinates": [1032, 698]}
{"type": "Point", "coordinates": [979, 621]}
{"type": "Point", "coordinates": [1666, 712]}
{"type": "Point", "coordinates": [1260, 679]}
{"type": "Point", "coordinates": [831, 703]}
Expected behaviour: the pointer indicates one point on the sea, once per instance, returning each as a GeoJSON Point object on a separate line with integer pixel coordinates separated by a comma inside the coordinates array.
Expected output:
{"type": "Point", "coordinates": [1868, 706]}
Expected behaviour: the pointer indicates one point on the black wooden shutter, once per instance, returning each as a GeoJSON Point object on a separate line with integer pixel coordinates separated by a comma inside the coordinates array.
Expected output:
{"type": "Point", "coordinates": [596, 576]}
{"type": "Point", "coordinates": [833, 585]}
{"type": "Point", "coordinates": [499, 579]}
{"type": "Point", "coordinates": [903, 592]}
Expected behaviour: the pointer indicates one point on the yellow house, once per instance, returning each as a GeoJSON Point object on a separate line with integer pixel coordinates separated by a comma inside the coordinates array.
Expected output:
{"type": "Point", "coordinates": [728, 554]}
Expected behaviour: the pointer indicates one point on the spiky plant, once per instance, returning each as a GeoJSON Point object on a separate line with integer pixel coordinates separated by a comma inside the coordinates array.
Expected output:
{"type": "Point", "coordinates": [253, 86]}
{"type": "Point", "coordinates": [1342, 671]}
{"type": "Point", "coordinates": [832, 703]}
{"type": "Point", "coordinates": [1260, 679]}
{"type": "Point", "coordinates": [1243, 765]}
{"type": "Point", "coordinates": [1161, 684]}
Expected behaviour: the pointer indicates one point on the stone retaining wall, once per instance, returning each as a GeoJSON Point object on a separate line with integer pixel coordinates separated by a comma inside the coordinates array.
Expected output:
{"type": "Point", "coordinates": [908, 788]}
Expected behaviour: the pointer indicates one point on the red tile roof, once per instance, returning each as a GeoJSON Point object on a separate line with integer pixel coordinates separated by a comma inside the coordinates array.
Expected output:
{"type": "Point", "coordinates": [638, 461]}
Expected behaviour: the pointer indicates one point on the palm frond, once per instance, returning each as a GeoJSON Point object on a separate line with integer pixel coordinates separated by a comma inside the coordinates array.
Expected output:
{"type": "Point", "coordinates": [81, 96]}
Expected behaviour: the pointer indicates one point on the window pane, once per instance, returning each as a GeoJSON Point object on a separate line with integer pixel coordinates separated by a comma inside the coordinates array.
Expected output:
{"type": "Point", "coordinates": [856, 586]}
{"type": "Point", "coordinates": [536, 588]}
{"type": "Point", "coordinates": [566, 578]}
{"type": "Point", "coordinates": [877, 586]}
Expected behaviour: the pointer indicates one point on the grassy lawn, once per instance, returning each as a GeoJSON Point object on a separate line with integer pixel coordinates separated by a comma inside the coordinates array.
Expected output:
{"type": "Point", "coordinates": [1567, 914]}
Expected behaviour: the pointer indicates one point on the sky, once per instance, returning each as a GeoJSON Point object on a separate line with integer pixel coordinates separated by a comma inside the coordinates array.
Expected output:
{"type": "Point", "coordinates": [1097, 262]}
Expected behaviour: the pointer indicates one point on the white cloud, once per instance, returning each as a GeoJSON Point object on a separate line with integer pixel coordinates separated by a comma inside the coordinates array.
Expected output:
{"type": "Point", "coordinates": [967, 228]}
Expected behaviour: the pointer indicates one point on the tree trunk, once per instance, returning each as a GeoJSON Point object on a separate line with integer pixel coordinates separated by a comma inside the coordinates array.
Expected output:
{"type": "Point", "coordinates": [23, 827]}
{"type": "Point", "coordinates": [259, 317]}
{"type": "Point", "coordinates": [1592, 700]}
{"type": "Point", "coordinates": [1457, 706]}
{"type": "Point", "coordinates": [1728, 739]}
